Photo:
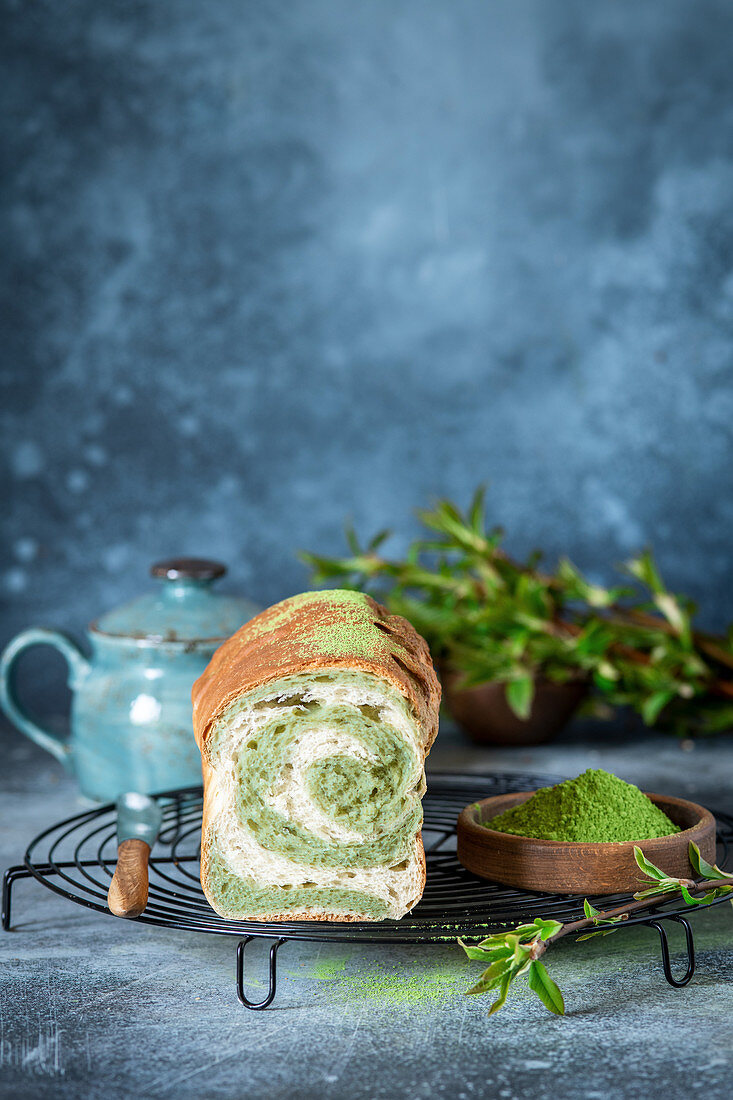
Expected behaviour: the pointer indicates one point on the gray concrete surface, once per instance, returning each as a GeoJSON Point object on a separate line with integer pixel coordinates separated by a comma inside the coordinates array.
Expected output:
{"type": "Point", "coordinates": [95, 1008]}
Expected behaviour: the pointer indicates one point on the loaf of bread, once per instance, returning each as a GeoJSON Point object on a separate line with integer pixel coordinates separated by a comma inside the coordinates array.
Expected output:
{"type": "Point", "coordinates": [314, 721]}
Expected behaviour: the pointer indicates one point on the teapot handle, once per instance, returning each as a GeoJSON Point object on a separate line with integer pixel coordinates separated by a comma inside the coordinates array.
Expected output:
{"type": "Point", "coordinates": [78, 668]}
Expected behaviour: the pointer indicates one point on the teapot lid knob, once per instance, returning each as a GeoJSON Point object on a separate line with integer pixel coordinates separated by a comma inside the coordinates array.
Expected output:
{"type": "Point", "coordinates": [193, 569]}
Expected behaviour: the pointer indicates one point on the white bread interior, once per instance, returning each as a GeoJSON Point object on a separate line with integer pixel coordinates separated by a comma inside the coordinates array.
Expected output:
{"type": "Point", "coordinates": [398, 885]}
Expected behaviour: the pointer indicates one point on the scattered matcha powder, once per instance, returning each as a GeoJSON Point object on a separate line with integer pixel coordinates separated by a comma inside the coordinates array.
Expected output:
{"type": "Point", "coordinates": [595, 807]}
{"type": "Point", "coordinates": [385, 986]}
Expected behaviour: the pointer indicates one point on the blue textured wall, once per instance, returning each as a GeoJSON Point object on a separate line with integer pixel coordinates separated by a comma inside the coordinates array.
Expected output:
{"type": "Point", "coordinates": [270, 264]}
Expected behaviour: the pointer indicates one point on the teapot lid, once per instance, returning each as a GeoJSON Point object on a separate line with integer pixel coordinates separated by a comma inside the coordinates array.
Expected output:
{"type": "Point", "coordinates": [184, 609]}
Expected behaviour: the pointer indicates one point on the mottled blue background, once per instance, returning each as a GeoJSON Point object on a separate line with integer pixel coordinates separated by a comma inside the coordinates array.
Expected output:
{"type": "Point", "coordinates": [268, 265]}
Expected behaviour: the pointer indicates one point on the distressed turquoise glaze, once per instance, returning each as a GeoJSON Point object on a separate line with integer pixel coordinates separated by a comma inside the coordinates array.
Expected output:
{"type": "Point", "coordinates": [131, 694]}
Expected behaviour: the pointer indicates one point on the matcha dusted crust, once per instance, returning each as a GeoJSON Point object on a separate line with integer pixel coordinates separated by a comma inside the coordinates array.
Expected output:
{"type": "Point", "coordinates": [314, 721]}
{"type": "Point", "coordinates": [331, 629]}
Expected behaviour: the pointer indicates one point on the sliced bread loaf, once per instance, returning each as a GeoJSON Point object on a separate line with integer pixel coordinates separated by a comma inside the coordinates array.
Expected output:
{"type": "Point", "coordinates": [313, 722]}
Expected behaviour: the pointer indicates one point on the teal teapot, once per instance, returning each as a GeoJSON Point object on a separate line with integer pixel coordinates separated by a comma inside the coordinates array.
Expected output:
{"type": "Point", "coordinates": [131, 698]}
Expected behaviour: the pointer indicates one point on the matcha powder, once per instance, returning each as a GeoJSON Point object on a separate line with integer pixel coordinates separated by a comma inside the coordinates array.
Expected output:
{"type": "Point", "coordinates": [594, 807]}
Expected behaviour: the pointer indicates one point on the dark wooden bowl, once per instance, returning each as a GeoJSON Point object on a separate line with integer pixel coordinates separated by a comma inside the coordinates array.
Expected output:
{"type": "Point", "coordinates": [568, 867]}
{"type": "Point", "coordinates": [487, 718]}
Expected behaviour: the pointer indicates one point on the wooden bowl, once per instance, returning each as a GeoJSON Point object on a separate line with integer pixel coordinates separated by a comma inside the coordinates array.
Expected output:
{"type": "Point", "coordinates": [487, 718]}
{"type": "Point", "coordinates": [570, 867]}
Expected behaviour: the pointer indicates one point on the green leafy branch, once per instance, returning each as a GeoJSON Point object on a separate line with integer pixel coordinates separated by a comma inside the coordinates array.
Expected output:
{"type": "Point", "coordinates": [513, 953]}
{"type": "Point", "coordinates": [518, 951]}
{"type": "Point", "coordinates": [489, 618]}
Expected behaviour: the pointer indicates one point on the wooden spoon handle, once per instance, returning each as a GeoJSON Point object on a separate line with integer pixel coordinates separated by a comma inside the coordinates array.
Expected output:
{"type": "Point", "coordinates": [128, 890]}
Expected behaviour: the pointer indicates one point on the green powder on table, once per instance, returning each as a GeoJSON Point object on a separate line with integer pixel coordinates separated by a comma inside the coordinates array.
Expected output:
{"type": "Point", "coordinates": [381, 985]}
{"type": "Point", "coordinates": [595, 807]}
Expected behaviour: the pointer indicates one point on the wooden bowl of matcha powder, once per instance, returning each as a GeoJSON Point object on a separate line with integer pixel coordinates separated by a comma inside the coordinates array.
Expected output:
{"type": "Point", "coordinates": [579, 836]}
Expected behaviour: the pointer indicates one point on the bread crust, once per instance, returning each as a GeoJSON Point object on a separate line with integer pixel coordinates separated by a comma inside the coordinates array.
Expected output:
{"type": "Point", "coordinates": [293, 637]}
{"type": "Point", "coordinates": [296, 636]}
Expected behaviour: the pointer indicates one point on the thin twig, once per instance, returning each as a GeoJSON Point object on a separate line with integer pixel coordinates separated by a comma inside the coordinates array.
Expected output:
{"type": "Point", "coordinates": [630, 907]}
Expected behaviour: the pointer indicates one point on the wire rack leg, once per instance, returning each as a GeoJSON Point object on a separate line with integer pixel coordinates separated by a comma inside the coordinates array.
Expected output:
{"type": "Point", "coordinates": [243, 999]}
{"type": "Point", "coordinates": [9, 878]}
{"type": "Point", "coordinates": [12, 873]}
{"type": "Point", "coordinates": [678, 984]}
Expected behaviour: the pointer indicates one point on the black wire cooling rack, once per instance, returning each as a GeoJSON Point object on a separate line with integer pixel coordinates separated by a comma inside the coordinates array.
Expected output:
{"type": "Point", "coordinates": [76, 858]}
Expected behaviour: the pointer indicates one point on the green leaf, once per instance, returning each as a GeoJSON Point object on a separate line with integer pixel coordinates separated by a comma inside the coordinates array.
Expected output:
{"type": "Point", "coordinates": [671, 610]}
{"type": "Point", "coordinates": [521, 952]}
{"type": "Point", "coordinates": [595, 915]}
{"type": "Point", "coordinates": [490, 949]}
{"type": "Point", "coordinates": [644, 569]}
{"type": "Point", "coordinates": [508, 939]}
{"type": "Point", "coordinates": [578, 588]}
{"type": "Point", "coordinates": [500, 951]}
{"type": "Point", "coordinates": [476, 510]}
{"type": "Point", "coordinates": [501, 999]}
{"type": "Point", "coordinates": [491, 977]}
{"type": "Point", "coordinates": [475, 952]}
{"type": "Point", "coordinates": [547, 928]}
{"type": "Point", "coordinates": [654, 704]}
{"type": "Point", "coordinates": [702, 867]}
{"type": "Point", "coordinates": [529, 932]}
{"type": "Point", "coordinates": [546, 989]}
{"type": "Point", "coordinates": [604, 683]}
{"type": "Point", "coordinates": [607, 672]}
{"type": "Point", "coordinates": [707, 898]}
{"type": "Point", "coordinates": [598, 932]}
{"type": "Point", "coordinates": [351, 539]}
{"type": "Point", "coordinates": [666, 886]}
{"type": "Point", "coordinates": [497, 939]}
{"type": "Point", "coordinates": [376, 541]}
{"type": "Point", "coordinates": [647, 866]}
{"type": "Point", "coordinates": [689, 900]}
{"type": "Point", "coordinates": [519, 695]}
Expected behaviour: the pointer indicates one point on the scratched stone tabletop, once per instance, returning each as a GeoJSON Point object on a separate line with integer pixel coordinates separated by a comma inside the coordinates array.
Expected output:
{"type": "Point", "coordinates": [96, 1007]}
